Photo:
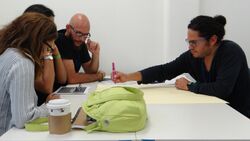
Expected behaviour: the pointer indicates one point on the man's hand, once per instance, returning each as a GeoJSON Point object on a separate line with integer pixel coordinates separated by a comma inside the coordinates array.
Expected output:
{"type": "Point", "coordinates": [93, 47]}
{"type": "Point", "coordinates": [101, 75]}
{"type": "Point", "coordinates": [120, 77]}
{"type": "Point", "coordinates": [181, 83]}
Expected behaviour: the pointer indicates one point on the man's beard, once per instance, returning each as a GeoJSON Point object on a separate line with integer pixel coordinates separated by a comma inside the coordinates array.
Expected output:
{"type": "Point", "coordinates": [77, 44]}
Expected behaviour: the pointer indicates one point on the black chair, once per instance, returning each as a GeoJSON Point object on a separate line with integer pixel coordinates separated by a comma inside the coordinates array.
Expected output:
{"type": "Point", "coordinates": [249, 71]}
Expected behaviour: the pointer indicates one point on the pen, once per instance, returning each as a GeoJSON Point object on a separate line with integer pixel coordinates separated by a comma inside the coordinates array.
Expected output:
{"type": "Point", "coordinates": [113, 70]}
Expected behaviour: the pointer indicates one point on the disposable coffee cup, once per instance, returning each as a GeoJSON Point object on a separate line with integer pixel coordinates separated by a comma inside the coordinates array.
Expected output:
{"type": "Point", "coordinates": [59, 116]}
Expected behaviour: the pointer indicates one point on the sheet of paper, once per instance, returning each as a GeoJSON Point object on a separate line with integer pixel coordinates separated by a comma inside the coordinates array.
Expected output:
{"type": "Point", "coordinates": [163, 93]}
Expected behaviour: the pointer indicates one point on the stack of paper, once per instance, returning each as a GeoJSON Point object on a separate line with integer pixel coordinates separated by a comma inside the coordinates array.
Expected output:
{"type": "Point", "coordinates": [163, 93]}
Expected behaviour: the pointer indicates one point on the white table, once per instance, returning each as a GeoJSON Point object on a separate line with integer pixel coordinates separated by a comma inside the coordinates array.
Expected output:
{"type": "Point", "coordinates": [76, 102]}
{"type": "Point", "coordinates": [195, 122]}
{"type": "Point", "coordinates": [165, 122]}
{"type": "Point", "coordinates": [22, 135]}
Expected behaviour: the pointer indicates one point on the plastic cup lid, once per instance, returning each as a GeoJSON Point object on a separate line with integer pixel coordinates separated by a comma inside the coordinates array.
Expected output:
{"type": "Point", "coordinates": [58, 103]}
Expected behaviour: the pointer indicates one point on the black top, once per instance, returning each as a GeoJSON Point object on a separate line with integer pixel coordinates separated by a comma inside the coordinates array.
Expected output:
{"type": "Point", "coordinates": [228, 78]}
{"type": "Point", "coordinates": [68, 50]}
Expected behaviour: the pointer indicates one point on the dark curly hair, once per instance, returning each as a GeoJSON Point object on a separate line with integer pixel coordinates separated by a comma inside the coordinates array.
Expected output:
{"type": "Point", "coordinates": [209, 26]}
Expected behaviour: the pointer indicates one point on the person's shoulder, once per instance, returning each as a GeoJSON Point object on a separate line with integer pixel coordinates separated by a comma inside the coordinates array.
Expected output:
{"type": "Point", "coordinates": [23, 58]}
{"type": "Point", "coordinates": [230, 46]}
{"type": "Point", "coordinates": [18, 59]}
{"type": "Point", "coordinates": [227, 44]}
{"type": "Point", "coordinates": [62, 41]}
{"type": "Point", "coordinates": [61, 33]}
{"type": "Point", "coordinates": [14, 54]}
{"type": "Point", "coordinates": [187, 55]}
{"type": "Point", "coordinates": [230, 49]}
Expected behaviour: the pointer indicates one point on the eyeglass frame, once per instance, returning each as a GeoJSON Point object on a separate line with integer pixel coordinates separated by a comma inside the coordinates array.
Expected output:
{"type": "Point", "coordinates": [79, 33]}
{"type": "Point", "coordinates": [194, 43]}
{"type": "Point", "coordinates": [50, 47]}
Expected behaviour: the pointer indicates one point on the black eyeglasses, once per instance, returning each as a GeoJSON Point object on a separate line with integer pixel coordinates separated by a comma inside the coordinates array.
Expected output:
{"type": "Point", "coordinates": [80, 34]}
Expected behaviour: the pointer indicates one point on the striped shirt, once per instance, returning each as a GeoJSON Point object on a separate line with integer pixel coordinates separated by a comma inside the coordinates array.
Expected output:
{"type": "Point", "coordinates": [18, 98]}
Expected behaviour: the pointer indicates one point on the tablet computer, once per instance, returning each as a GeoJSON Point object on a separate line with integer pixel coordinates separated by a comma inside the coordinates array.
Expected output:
{"type": "Point", "coordinates": [72, 90]}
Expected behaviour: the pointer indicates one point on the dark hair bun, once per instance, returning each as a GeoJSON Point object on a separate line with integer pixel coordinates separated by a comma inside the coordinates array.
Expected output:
{"type": "Point", "coordinates": [220, 19]}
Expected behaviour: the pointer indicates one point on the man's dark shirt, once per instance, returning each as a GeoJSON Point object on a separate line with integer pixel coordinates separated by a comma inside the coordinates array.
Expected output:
{"type": "Point", "coordinates": [68, 50]}
{"type": "Point", "coordinates": [227, 79]}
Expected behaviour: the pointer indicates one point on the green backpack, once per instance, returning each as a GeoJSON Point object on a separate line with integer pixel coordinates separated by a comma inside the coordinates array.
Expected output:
{"type": "Point", "coordinates": [116, 109]}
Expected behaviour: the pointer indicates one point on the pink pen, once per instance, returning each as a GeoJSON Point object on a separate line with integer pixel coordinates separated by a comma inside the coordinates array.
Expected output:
{"type": "Point", "coordinates": [113, 71]}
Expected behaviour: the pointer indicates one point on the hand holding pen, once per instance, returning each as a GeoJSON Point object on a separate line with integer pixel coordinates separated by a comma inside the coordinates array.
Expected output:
{"type": "Point", "coordinates": [113, 75]}
{"type": "Point", "coordinates": [120, 77]}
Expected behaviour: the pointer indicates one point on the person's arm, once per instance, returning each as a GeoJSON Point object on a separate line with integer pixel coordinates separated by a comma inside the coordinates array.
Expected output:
{"type": "Point", "coordinates": [156, 73]}
{"type": "Point", "coordinates": [123, 77]}
{"type": "Point", "coordinates": [167, 71]}
{"type": "Point", "coordinates": [75, 77]}
{"type": "Point", "coordinates": [227, 76]}
{"type": "Point", "coordinates": [92, 65]}
{"type": "Point", "coordinates": [45, 82]}
{"type": "Point", "coordinates": [23, 96]}
{"type": "Point", "coordinates": [60, 72]}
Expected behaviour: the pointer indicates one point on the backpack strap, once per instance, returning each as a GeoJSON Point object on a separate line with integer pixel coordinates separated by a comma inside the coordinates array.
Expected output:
{"type": "Point", "coordinates": [92, 127]}
{"type": "Point", "coordinates": [37, 125]}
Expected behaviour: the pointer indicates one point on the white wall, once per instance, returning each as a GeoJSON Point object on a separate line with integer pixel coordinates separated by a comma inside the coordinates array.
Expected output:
{"type": "Point", "coordinates": [129, 31]}
{"type": "Point", "coordinates": [139, 33]}
{"type": "Point", "coordinates": [238, 19]}
{"type": "Point", "coordinates": [180, 14]}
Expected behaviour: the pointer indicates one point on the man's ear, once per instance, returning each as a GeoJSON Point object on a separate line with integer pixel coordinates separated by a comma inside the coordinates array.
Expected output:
{"type": "Point", "coordinates": [213, 40]}
{"type": "Point", "coordinates": [67, 30]}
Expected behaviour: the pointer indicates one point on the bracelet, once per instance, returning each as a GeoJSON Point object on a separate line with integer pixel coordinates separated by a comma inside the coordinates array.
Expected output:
{"type": "Point", "coordinates": [48, 57]}
{"type": "Point", "coordinates": [58, 56]}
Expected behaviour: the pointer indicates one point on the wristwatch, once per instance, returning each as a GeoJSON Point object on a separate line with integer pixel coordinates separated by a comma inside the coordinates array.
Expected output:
{"type": "Point", "coordinates": [48, 57]}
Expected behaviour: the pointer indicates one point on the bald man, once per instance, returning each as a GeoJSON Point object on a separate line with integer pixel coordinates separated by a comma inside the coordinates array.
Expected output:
{"type": "Point", "coordinates": [74, 45]}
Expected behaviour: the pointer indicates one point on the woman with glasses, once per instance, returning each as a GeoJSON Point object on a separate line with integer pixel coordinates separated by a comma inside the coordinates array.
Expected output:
{"type": "Point", "coordinates": [219, 66]}
{"type": "Point", "coordinates": [74, 45]}
{"type": "Point", "coordinates": [21, 48]}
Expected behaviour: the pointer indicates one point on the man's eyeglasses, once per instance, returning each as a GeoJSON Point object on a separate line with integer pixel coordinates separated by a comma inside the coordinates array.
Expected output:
{"type": "Point", "coordinates": [80, 34]}
{"type": "Point", "coordinates": [194, 43]}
